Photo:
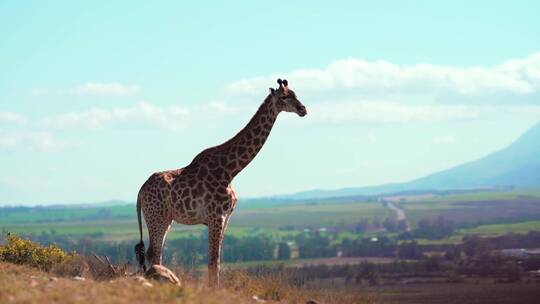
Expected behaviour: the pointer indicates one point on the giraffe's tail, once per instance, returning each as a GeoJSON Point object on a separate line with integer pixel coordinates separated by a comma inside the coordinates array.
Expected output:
{"type": "Point", "coordinates": [139, 248]}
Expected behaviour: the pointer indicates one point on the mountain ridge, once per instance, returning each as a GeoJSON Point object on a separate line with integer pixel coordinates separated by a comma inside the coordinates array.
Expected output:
{"type": "Point", "coordinates": [516, 166]}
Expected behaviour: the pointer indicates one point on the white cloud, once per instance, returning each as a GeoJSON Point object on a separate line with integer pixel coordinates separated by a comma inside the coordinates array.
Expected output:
{"type": "Point", "coordinates": [221, 108]}
{"type": "Point", "coordinates": [142, 114]}
{"type": "Point", "coordinates": [391, 112]}
{"type": "Point", "coordinates": [510, 82]}
{"type": "Point", "coordinates": [91, 89]}
{"type": "Point", "coordinates": [360, 91]}
{"type": "Point", "coordinates": [11, 118]}
{"type": "Point", "coordinates": [30, 140]}
{"type": "Point", "coordinates": [384, 112]}
{"type": "Point", "coordinates": [145, 115]}
{"type": "Point", "coordinates": [105, 89]}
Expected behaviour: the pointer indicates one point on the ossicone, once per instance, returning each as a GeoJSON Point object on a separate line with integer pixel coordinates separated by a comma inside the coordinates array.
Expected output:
{"type": "Point", "coordinates": [282, 83]}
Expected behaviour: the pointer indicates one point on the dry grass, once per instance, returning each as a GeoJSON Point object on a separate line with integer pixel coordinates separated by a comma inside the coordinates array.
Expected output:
{"type": "Point", "coordinates": [28, 270]}
{"type": "Point", "coordinates": [23, 284]}
{"type": "Point", "coordinates": [275, 289]}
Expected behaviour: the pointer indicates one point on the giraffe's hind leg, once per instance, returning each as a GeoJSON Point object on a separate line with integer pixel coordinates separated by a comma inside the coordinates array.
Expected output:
{"type": "Point", "coordinates": [158, 226]}
{"type": "Point", "coordinates": [157, 239]}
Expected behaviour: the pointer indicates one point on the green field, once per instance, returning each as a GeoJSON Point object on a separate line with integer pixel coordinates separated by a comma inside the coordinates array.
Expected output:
{"type": "Point", "coordinates": [118, 223]}
{"type": "Point", "coordinates": [476, 208]}
{"type": "Point", "coordinates": [485, 196]}
{"type": "Point", "coordinates": [498, 229]}
{"type": "Point", "coordinates": [483, 213]}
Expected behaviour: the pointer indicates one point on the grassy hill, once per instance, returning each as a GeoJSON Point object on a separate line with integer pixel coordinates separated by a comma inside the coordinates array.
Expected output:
{"type": "Point", "coordinates": [31, 273]}
{"type": "Point", "coordinates": [22, 284]}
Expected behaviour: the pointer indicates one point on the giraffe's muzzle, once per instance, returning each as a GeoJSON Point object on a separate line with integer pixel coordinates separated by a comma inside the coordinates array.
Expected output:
{"type": "Point", "coordinates": [301, 110]}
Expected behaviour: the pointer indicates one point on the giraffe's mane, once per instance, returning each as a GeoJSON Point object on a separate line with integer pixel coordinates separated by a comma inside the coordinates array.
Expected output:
{"type": "Point", "coordinates": [233, 140]}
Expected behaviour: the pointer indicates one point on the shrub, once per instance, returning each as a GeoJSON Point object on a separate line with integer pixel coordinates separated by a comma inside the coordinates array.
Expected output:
{"type": "Point", "coordinates": [74, 266]}
{"type": "Point", "coordinates": [103, 269]}
{"type": "Point", "coordinates": [25, 252]}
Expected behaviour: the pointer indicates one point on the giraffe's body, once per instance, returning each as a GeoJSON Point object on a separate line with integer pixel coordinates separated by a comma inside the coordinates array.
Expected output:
{"type": "Point", "coordinates": [201, 193]}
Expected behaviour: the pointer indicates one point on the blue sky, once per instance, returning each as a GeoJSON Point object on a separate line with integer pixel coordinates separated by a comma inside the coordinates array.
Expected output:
{"type": "Point", "coordinates": [95, 96]}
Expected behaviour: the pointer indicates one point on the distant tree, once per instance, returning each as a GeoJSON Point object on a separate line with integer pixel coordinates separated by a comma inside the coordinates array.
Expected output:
{"type": "Point", "coordinates": [390, 224]}
{"type": "Point", "coordinates": [407, 235]}
{"type": "Point", "coordinates": [284, 251]}
{"type": "Point", "coordinates": [362, 226]}
{"type": "Point", "coordinates": [512, 271]}
{"type": "Point", "coordinates": [453, 253]}
{"type": "Point", "coordinates": [315, 245]}
{"type": "Point", "coordinates": [409, 250]}
{"type": "Point", "coordinates": [370, 272]}
{"type": "Point", "coordinates": [436, 229]}
{"type": "Point", "coordinates": [402, 225]}
{"type": "Point", "coordinates": [476, 246]}
{"type": "Point", "coordinates": [374, 278]}
{"type": "Point", "coordinates": [432, 263]}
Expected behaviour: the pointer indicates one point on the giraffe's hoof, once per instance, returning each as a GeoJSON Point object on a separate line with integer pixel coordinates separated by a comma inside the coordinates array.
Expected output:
{"type": "Point", "coordinates": [162, 274]}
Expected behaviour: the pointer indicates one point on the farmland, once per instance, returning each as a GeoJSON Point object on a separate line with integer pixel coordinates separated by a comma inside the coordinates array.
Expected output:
{"type": "Point", "coordinates": [119, 222]}
{"type": "Point", "coordinates": [483, 213]}
{"type": "Point", "coordinates": [480, 291]}
{"type": "Point", "coordinates": [346, 245]}
{"type": "Point", "coordinates": [477, 208]}
{"type": "Point", "coordinates": [498, 229]}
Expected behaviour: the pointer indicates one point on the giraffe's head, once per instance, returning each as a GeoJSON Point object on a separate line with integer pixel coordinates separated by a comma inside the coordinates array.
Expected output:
{"type": "Point", "coordinates": [285, 99]}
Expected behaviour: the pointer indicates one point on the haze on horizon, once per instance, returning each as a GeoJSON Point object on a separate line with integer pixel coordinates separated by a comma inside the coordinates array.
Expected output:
{"type": "Point", "coordinates": [96, 97]}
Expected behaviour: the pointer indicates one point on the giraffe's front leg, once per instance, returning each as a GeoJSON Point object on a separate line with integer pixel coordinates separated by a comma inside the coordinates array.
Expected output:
{"type": "Point", "coordinates": [215, 237]}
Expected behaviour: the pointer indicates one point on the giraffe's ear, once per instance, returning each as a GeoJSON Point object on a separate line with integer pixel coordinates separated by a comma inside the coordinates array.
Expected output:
{"type": "Point", "coordinates": [272, 91]}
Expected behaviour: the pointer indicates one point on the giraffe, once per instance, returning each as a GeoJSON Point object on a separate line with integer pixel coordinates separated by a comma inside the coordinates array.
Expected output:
{"type": "Point", "coordinates": [201, 192]}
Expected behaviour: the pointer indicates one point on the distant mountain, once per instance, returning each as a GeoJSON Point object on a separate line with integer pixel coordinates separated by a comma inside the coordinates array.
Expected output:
{"type": "Point", "coordinates": [517, 165]}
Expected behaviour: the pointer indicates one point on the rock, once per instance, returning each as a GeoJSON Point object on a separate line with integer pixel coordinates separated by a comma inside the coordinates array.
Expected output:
{"type": "Point", "coordinates": [258, 300]}
{"type": "Point", "coordinates": [33, 283]}
{"type": "Point", "coordinates": [53, 279]}
{"type": "Point", "coordinates": [139, 279]}
{"type": "Point", "coordinates": [147, 284]}
{"type": "Point", "coordinates": [77, 278]}
{"type": "Point", "coordinates": [144, 282]}
{"type": "Point", "coordinates": [162, 274]}
{"type": "Point", "coordinates": [312, 302]}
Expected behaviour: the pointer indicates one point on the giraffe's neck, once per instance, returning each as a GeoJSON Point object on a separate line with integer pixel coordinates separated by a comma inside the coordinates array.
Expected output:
{"type": "Point", "coordinates": [235, 154]}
